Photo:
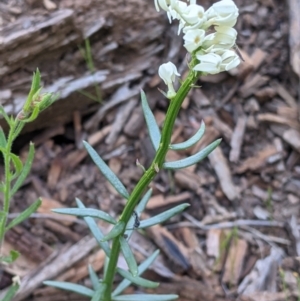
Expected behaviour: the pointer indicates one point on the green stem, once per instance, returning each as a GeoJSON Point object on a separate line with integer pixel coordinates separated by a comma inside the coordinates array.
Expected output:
{"type": "Point", "coordinates": [173, 110]}
{"type": "Point", "coordinates": [7, 180]}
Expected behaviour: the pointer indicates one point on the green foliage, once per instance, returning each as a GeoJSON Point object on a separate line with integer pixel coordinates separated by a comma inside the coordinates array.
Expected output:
{"type": "Point", "coordinates": [13, 256]}
{"type": "Point", "coordinates": [106, 171]}
{"type": "Point", "coordinates": [11, 292]}
{"type": "Point", "coordinates": [87, 54]}
{"type": "Point", "coordinates": [15, 172]}
{"type": "Point", "coordinates": [129, 219]}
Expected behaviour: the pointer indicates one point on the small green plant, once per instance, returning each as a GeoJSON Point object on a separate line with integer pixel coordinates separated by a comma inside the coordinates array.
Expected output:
{"type": "Point", "coordinates": [87, 54]}
{"type": "Point", "coordinates": [209, 54]}
{"type": "Point", "coordinates": [15, 172]}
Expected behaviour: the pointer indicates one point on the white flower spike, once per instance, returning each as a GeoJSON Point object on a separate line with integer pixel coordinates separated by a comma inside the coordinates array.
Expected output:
{"type": "Point", "coordinates": [168, 73]}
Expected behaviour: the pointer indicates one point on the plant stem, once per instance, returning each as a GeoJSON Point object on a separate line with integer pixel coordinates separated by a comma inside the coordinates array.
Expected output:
{"type": "Point", "coordinates": [7, 180]}
{"type": "Point", "coordinates": [173, 110]}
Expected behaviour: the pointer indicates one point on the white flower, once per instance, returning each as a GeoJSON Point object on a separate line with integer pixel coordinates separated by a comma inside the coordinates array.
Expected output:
{"type": "Point", "coordinates": [224, 36]}
{"type": "Point", "coordinates": [209, 63]}
{"type": "Point", "coordinates": [223, 13]}
{"type": "Point", "coordinates": [168, 73]}
{"type": "Point", "coordinates": [193, 14]}
{"type": "Point", "coordinates": [230, 60]}
{"type": "Point", "coordinates": [193, 39]}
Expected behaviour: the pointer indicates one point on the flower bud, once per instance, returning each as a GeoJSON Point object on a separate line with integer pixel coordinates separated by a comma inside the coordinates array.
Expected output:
{"type": "Point", "coordinates": [168, 73]}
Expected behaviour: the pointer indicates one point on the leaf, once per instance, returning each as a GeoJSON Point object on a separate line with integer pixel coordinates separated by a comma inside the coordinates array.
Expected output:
{"type": "Point", "coordinates": [2, 138]}
{"type": "Point", "coordinates": [192, 159]}
{"type": "Point", "coordinates": [190, 142]}
{"type": "Point", "coordinates": [99, 293]}
{"type": "Point", "coordinates": [95, 230]}
{"type": "Point", "coordinates": [105, 268]}
{"type": "Point", "coordinates": [86, 212]}
{"type": "Point", "coordinates": [13, 256]}
{"type": "Point", "coordinates": [160, 218]}
{"type": "Point", "coordinates": [26, 169]}
{"type": "Point", "coordinates": [141, 269]}
{"type": "Point", "coordinates": [115, 231]}
{"type": "Point", "coordinates": [72, 287]}
{"type": "Point", "coordinates": [24, 215]}
{"type": "Point", "coordinates": [11, 292]}
{"type": "Point", "coordinates": [17, 163]}
{"type": "Point", "coordinates": [33, 116]}
{"type": "Point", "coordinates": [139, 209]}
{"type": "Point", "coordinates": [106, 171]}
{"type": "Point", "coordinates": [152, 126]}
{"type": "Point", "coordinates": [6, 117]}
{"type": "Point", "coordinates": [145, 297]}
{"type": "Point", "coordinates": [137, 280]}
{"type": "Point", "coordinates": [129, 257]}
{"type": "Point", "coordinates": [94, 278]}
{"type": "Point", "coordinates": [35, 86]}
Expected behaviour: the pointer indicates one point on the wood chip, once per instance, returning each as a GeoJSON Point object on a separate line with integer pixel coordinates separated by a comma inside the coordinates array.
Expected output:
{"type": "Point", "coordinates": [173, 248]}
{"type": "Point", "coordinates": [159, 200]}
{"type": "Point", "coordinates": [252, 84]}
{"type": "Point", "coordinates": [235, 261]}
{"type": "Point", "coordinates": [294, 40]}
{"type": "Point", "coordinates": [48, 204]}
{"type": "Point", "coordinates": [292, 137]}
{"type": "Point", "coordinates": [258, 161]}
{"type": "Point", "coordinates": [237, 139]}
{"type": "Point", "coordinates": [263, 275]}
{"type": "Point", "coordinates": [220, 165]}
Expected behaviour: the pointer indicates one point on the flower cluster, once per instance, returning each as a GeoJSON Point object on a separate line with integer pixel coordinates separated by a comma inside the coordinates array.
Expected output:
{"type": "Point", "coordinates": [213, 50]}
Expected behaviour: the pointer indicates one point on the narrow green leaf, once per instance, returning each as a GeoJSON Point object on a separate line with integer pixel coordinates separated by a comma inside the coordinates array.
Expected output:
{"type": "Point", "coordinates": [17, 163]}
{"type": "Point", "coordinates": [35, 86]}
{"type": "Point", "coordinates": [99, 293]}
{"type": "Point", "coordinates": [129, 257]}
{"type": "Point", "coordinates": [2, 138]}
{"type": "Point", "coordinates": [13, 256]}
{"type": "Point", "coordinates": [11, 292]}
{"type": "Point", "coordinates": [145, 297]}
{"type": "Point", "coordinates": [71, 287]}
{"type": "Point", "coordinates": [18, 130]}
{"type": "Point", "coordinates": [33, 116]}
{"type": "Point", "coordinates": [106, 171]}
{"type": "Point", "coordinates": [160, 218]}
{"type": "Point", "coordinates": [87, 212]}
{"type": "Point", "coordinates": [139, 209]}
{"type": "Point", "coordinates": [105, 268]}
{"type": "Point", "coordinates": [95, 230]}
{"type": "Point", "coordinates": [6, 117]}
{"type": "Point", "coordinates": [25, 171]}
{"type": "Point", "coordinates": [190, 142]}
{"type": "Point", "coordinates": [36, 81]}
{"type": "Point", "coordinates": [24, 215]}
{"type": "Point", "coordinates": [115, 231]}
{"type": "Point", "coordinates": [152, 126]}
{"type": "Point", "coordinates": [141, 269]}
{"type": "Point", "coordinates": [137, 280]}
{"type": "Point", "coordinates": [194, 158]}
{"type": "Point", "coordinates": [94, 278]}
